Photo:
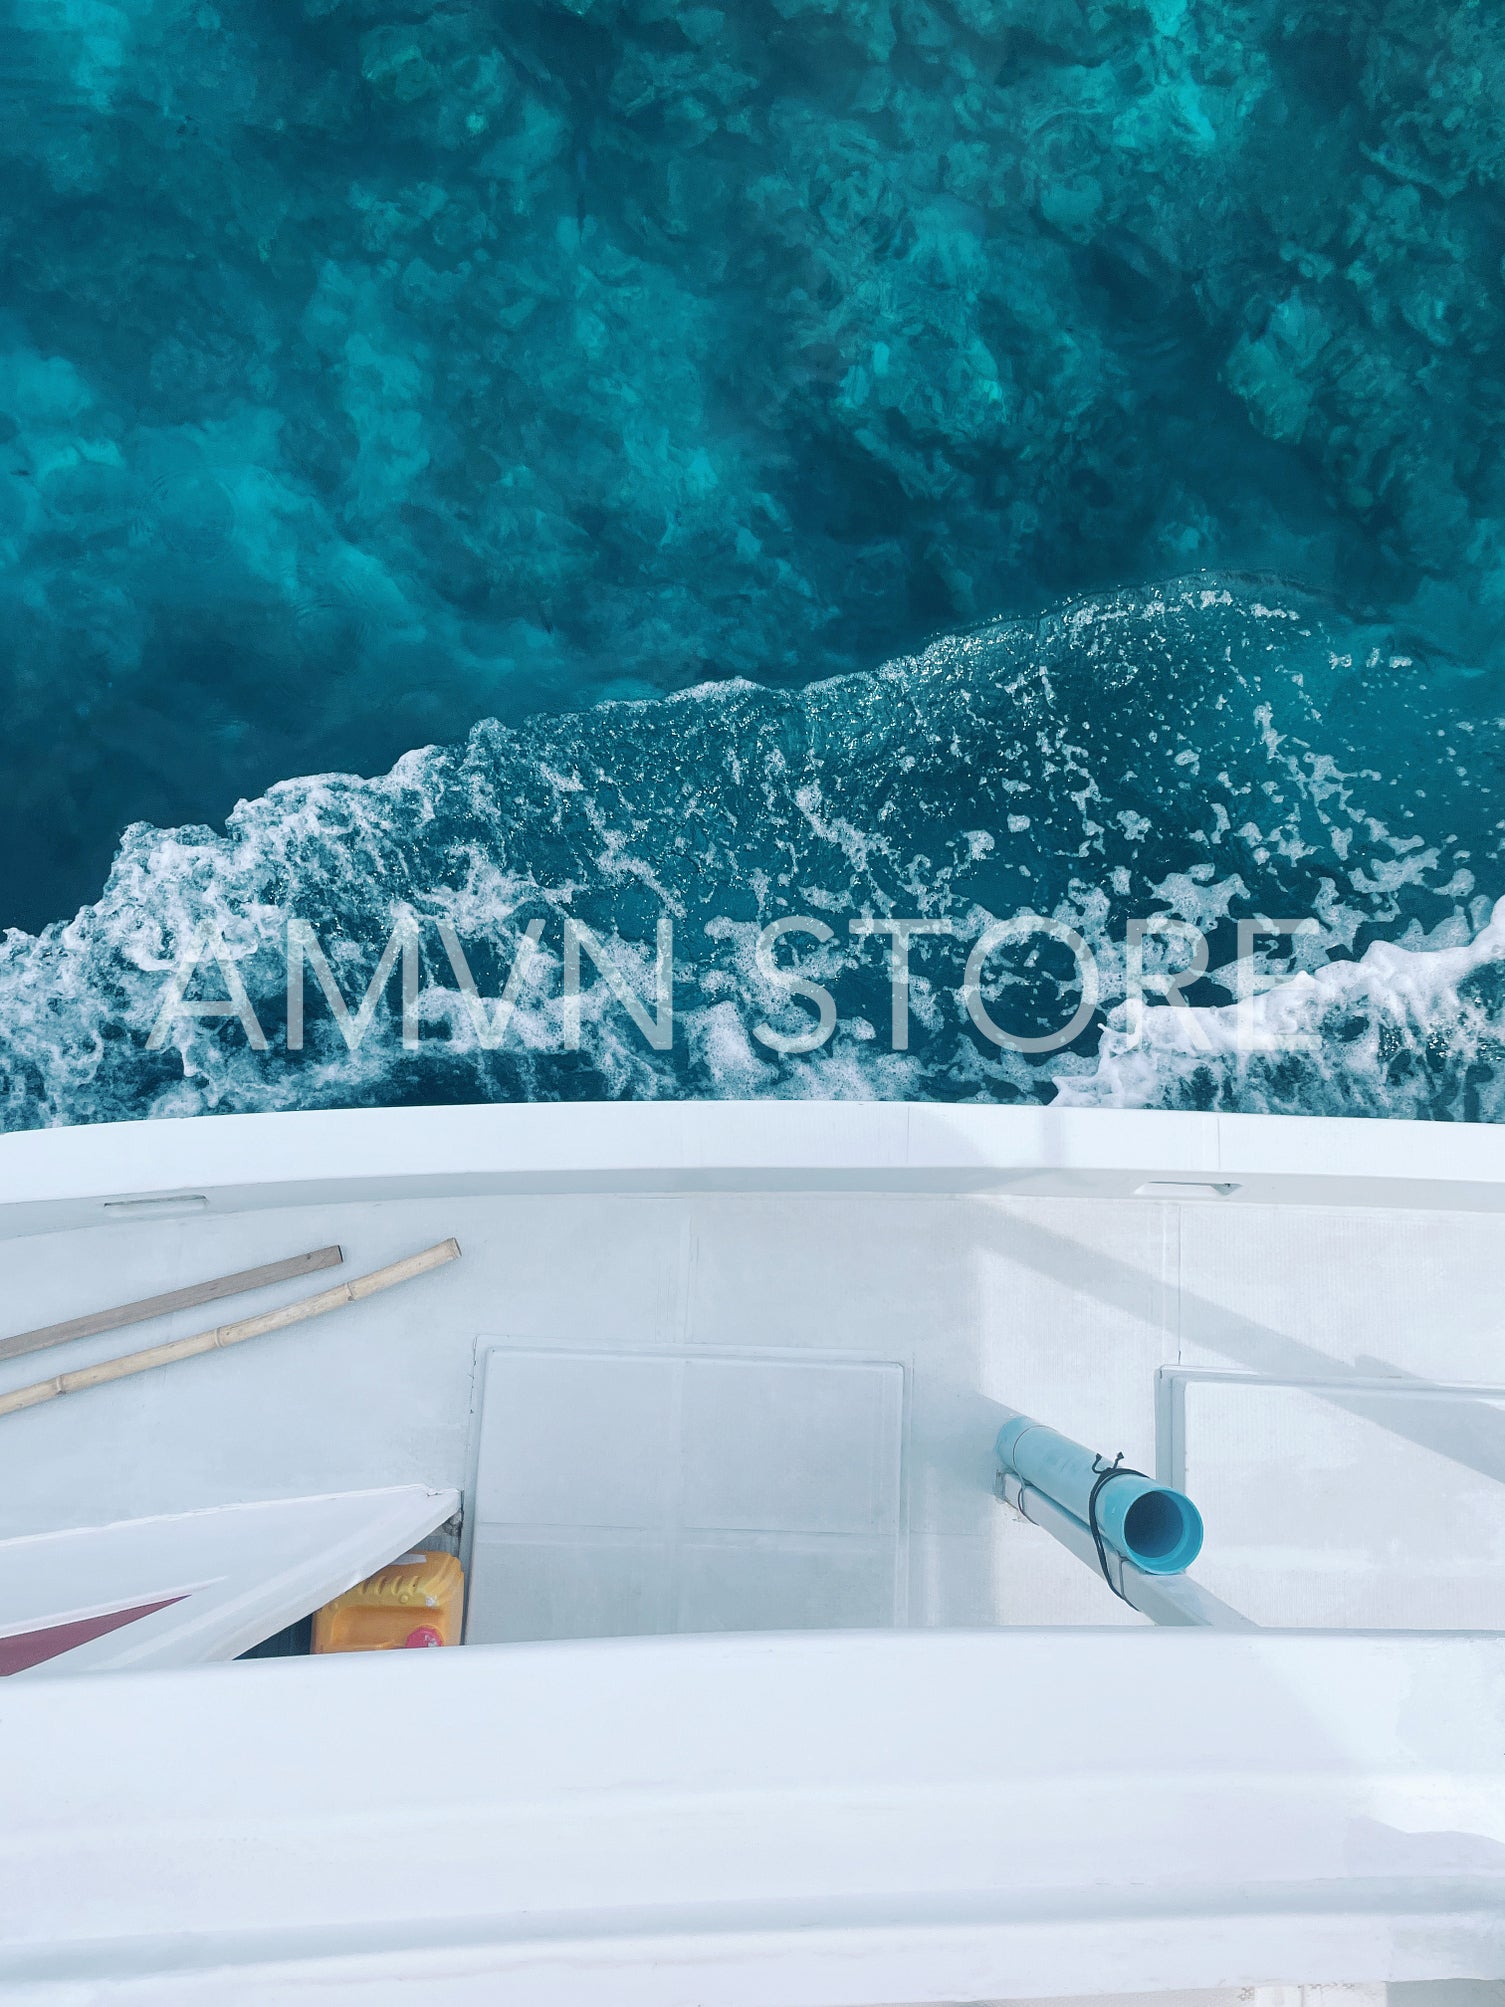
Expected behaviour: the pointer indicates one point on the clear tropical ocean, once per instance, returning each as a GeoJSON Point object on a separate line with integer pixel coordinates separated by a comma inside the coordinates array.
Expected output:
{"type": "Point", "coordinates": [471, 473]}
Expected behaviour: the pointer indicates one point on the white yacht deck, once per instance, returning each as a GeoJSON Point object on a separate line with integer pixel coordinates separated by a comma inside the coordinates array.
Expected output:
{"type": "Point", "coordinates": [707, 1366]}
{"type": "Point", "coordinates": [739, 1369]}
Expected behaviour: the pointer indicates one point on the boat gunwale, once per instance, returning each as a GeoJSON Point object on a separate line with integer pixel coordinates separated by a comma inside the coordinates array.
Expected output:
{"type": "Point", "coordinates": [59, 1178]}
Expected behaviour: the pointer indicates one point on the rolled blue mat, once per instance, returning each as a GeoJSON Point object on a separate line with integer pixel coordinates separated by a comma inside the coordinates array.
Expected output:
{"type": "Point", "coordinates": [1150, 1524]}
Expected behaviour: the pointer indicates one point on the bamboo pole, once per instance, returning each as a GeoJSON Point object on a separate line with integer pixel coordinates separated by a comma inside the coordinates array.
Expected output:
{"type": "Point", "coordinates": [355, 1291]}
{"type": "Point", "coordinates": [48, 1335]}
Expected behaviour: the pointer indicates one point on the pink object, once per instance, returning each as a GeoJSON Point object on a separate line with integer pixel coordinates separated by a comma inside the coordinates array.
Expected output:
{"type": "Point", "coordinates": [424, 1635]}
{"type": "Point", "coordinates": [32, 1648]}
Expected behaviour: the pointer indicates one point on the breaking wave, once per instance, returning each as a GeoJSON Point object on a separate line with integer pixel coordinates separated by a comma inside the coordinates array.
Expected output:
{"type": "Point", "coordinates": [1216, 751]}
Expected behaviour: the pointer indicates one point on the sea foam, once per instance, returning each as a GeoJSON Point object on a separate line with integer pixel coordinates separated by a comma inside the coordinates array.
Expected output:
{"type": "Point", "coordinates": [1216, 750]}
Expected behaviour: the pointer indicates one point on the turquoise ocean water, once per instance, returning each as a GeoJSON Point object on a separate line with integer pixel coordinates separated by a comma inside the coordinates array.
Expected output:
{"type": "Point", "coordinates": [465, 466]}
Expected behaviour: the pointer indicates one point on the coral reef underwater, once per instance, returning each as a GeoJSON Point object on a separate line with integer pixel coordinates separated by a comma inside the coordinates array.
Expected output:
{"type": "Point", "coordinates": [372, 367]}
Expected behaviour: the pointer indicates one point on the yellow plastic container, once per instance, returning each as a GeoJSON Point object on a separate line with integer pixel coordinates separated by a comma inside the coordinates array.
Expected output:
{"type": "Point", "coordinates": [416, 1600]}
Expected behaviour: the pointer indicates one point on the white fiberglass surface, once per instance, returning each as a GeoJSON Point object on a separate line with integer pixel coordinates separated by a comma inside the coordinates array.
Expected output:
{"type": "Point", "coordinates": [832, 1820]}
{"type": "Point", "coordinates": [1068, 1308]}
{"type": "Point", "coordinates": [1359, 1500]}
{"type": "Point", "coordinates": [626, 1492]}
